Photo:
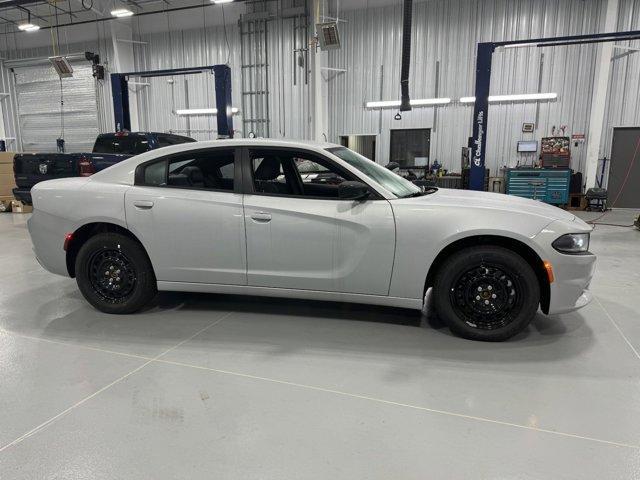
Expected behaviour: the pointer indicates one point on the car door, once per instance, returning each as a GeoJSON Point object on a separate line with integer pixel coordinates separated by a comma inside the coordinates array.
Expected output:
{"type": "Point", "coordinates": [300, 235]}
{"type": "Point", "coordinates": [187, 211]}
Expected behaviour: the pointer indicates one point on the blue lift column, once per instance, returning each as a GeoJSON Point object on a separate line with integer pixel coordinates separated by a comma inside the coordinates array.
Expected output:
{"type": "Point", "coordinates": [480, 116]}
{"type": "Point", "coordinates": [222, 76]}
{"type": "Point", "coordinates": [120, 93]}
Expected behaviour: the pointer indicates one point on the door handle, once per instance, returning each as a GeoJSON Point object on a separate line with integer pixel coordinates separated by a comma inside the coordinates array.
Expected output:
{"type": "Point", "coordinates": [143, 204]}
{"type": "Point", "coordinates": [262, 217]}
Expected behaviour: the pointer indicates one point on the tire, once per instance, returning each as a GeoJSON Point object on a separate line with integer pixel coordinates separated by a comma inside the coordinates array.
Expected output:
{"type": "Point", "coordinates": [114, 274]}
{"type": "Point", "coordinates": [486, 293]}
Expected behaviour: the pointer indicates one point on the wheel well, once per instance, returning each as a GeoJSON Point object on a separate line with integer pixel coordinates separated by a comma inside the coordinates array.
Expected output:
{"type": "Point", "coordinates": [516, 246]}
{"type": "Point", "coordinates": [84, 233]}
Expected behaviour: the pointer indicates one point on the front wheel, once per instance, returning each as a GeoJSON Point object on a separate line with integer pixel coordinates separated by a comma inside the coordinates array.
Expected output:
{"type": "Point", "coordinates": [114, 274]}
{"type": "Point", "coordinates": [486, 293]}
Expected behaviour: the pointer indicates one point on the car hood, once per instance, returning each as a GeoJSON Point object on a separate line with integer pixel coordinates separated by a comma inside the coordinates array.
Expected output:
{"type": "Point", "coordinates": [493, 201]}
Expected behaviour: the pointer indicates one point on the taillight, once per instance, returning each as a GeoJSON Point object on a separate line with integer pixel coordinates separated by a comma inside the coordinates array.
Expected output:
{"type": "Point", "coordinates": [68, 238]}
{"type": "Point", "coordinates": [86, 167]}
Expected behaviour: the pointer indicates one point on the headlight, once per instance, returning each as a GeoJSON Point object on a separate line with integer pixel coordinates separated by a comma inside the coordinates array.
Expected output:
{"type": "Point", "coordinates": [572, 243]}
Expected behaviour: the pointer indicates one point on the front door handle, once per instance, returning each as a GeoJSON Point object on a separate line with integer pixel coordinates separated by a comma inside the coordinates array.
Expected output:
{"type": "Point", "coordinates": [143, 204]}
{"type": "Point", "coordinates": [262, 217]}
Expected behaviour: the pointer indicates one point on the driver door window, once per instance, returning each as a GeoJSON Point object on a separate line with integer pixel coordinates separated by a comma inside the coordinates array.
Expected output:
{"type": "Point", "coordinates": [294, 174]}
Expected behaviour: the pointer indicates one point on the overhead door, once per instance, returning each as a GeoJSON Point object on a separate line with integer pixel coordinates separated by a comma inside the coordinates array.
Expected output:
{"type": "Point", "coordinates": [39, 96]}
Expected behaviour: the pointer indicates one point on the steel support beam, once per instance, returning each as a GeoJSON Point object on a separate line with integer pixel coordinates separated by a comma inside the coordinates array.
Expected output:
{"type": "Point", "coordinates": [598, 101]}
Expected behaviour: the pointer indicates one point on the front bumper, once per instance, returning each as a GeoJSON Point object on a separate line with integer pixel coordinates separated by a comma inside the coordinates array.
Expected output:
{"type": "Point", "coordinates": [570, 290]}
{"type": "Point", "coordinates": [572, 273]}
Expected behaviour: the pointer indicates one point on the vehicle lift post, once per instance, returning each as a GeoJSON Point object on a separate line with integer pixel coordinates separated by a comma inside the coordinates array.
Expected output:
{"type": "Point", "coordinates": [483, 80]}
{"type": "Point", "coordinates": [222, 74]}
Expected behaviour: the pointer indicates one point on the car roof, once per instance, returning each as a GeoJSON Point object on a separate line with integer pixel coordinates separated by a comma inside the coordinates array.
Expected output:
{"type": "Point", "coordinates": [267, 142]}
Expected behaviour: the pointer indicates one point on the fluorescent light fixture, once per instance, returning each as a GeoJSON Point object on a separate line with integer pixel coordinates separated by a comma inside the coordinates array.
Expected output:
{"type": "Point", "coordinates": [28, 27]}
{"type": "Point", "coordinates": [522, 97]}
{"type": "Point", "coordinates": [202, 111]}
{"type": "Point", "coordinates": [416, 103]}
{"type": "Point", "coordinates": [121, 12]}
{"type": "Point", "coordinates": [218, 2]}
{"type": "Point", "coordinates": [430, 101]}
{"type": "Point", "coordinates": [520, 45]}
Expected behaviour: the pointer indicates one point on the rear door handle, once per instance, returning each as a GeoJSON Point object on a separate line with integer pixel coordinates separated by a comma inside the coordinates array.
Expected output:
{"type": "Point", "coordinates": [143, 204]}
{"type": "Point", "coordinates": [262, 217]}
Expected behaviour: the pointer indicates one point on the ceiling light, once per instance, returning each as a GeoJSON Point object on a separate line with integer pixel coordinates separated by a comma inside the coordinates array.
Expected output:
{"type": "Point", "coordinates": [28, 27]}
{"type": "Point", "coordinates": [218, 2]}
{"type": "Point", "coordinates": [202, 111]}
{"type": "Point", "coordinates": [416, 103]}
{"type": "Point", "coordinates": [121, 12]}
{"type": "Point", "coordinates": [523, 96]}
{"type": "Point", "coordinates": [514, 98]}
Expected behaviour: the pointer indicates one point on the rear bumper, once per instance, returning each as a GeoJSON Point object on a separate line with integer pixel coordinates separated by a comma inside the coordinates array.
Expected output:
{"type": "Point", "coordinates": [47, 236]}
{"type": "Point", "coordinates": [23, 194]}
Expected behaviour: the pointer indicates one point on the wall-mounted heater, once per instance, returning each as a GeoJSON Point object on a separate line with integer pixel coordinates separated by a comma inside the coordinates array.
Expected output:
{"type": "Point", "coordinates": [328, 36]}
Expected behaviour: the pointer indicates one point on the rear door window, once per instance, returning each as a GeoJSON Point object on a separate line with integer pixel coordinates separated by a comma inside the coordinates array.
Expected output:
{"type": "Point", "coordinates": [200, 170]}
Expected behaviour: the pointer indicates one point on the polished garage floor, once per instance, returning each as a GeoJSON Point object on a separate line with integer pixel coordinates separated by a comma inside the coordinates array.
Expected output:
{"type": "Point", "coordinates": [227, 387]}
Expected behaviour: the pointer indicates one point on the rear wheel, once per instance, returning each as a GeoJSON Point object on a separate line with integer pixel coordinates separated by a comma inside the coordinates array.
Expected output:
{"type": "Point", "coordinates": [486, 293]}
{"type": "Point", "coordinates": [114, 274]}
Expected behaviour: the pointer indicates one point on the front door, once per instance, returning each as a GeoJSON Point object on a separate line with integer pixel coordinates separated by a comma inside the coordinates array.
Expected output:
{"type": "Point", "coordinates": [300, 235]}
{"type": "Point", "coordinates": [187, 211]}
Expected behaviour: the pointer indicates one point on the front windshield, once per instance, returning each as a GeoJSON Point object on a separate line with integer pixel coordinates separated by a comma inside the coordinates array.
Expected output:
{"type": "Point", "coordinates": [386, 178]}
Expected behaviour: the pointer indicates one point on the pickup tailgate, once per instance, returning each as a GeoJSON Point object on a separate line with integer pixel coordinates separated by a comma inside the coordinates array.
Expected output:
{"type": "Point", "coordinates": [31, 168]}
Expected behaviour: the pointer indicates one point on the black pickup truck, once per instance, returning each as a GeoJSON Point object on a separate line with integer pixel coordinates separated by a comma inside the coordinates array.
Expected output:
{"type": "Point", "coordinates": [109, 149]}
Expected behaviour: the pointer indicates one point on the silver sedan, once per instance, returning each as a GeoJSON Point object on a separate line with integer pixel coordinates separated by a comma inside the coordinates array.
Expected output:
{"type": "Point", "coordinates": [310, 221]}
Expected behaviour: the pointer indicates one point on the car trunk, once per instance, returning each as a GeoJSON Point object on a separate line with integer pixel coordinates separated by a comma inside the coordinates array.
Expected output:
{"type": "Point", "coordinates": [33, 168]}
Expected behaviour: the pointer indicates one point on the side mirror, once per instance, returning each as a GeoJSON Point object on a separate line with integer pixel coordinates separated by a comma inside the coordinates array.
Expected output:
{"type": "Point", "coordinates": [353, 191]}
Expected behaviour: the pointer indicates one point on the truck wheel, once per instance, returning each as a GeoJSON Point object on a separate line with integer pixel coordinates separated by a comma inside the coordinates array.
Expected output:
{"type": "Point", "coordinates": [486, 293]}
{"type": "Point", "coordinates": [114, 274]}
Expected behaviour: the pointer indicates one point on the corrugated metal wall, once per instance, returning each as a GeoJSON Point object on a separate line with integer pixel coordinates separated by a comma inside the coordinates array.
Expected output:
{"type": "Point", "coordinates": [289, 99]}
{"type": "Point", "coordinates": [446, 33]}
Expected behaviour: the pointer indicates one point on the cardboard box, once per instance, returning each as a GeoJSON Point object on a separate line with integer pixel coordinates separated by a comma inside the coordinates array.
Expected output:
{"type": "Point", "coordinates": [6, 157]}
{"type": "Point", "coordinates": [6, 168]}
{"type": "Point", "coordinates": [5, 203]}
{"type": "Point", "coordinates": [7, 184]}
{"type": "Point", "coordinates": [19, 207]}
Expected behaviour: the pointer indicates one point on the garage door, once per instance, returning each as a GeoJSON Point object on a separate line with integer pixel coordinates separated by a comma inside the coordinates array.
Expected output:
{"type": "Point", "coordinates": [38, 95]}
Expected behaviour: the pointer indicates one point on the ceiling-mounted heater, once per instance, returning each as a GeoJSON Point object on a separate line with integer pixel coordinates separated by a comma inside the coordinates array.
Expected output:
{"type": "Point", "coordinates": [328, 35]}
{"type": "Point", "coordinates": [62, 66]}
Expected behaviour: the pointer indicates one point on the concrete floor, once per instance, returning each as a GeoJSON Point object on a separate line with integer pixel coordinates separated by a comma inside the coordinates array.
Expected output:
{"type": "Point", "coordinates": [227, 387]}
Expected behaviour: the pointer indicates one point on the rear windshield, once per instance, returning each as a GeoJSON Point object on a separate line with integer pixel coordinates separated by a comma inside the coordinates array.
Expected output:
{"type": "Point", "coordinates": [126, 144]}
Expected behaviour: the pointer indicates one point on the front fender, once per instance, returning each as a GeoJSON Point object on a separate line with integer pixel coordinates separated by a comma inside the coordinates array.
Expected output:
{"type": "Point", "coordinates": [423, 231]}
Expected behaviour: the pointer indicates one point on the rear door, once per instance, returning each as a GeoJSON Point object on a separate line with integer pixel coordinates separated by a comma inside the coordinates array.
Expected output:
{"type": "Point", "coordinates": [187, 211]}
{"type": "Point", "coordinates": [300, 235]}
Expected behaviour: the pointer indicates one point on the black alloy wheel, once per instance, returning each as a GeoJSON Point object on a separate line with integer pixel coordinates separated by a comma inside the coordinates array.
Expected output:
{"type": "Point", "coordinates": [486, 293]}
